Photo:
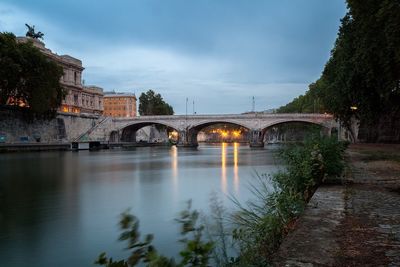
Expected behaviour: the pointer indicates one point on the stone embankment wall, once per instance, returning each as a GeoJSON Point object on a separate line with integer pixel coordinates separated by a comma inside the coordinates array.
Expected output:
{"type": "Point", "coordinates": [14, 128]}
{"type": "Point", "coordinates": [78, 125]}
{"type": "Point", "coordinates": [356, 223]}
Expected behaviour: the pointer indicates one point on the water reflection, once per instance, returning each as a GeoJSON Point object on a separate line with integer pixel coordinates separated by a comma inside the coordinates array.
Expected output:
{"type": "Point", "coordinates": [174, 168]}
{"type": "Point", "coordinates": [229, 168]}
{"type": "Point", "coordinates": [223, 168]}
{"type": "Point", "coordinates": [61, 209]}
{"type": "Point", "coordinates": [236, 167]}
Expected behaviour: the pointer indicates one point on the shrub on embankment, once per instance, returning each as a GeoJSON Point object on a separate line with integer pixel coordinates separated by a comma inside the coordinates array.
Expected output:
{"type": "Point", "coordinates": [261, 224]}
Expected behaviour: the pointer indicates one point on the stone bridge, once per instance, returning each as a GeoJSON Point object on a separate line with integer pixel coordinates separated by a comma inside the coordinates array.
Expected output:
{"type": "Point", "coordinates": [188, 126]}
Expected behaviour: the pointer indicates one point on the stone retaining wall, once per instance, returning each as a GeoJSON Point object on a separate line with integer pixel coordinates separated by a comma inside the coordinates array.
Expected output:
{"type": "Point", "coordinates": [14, 128]}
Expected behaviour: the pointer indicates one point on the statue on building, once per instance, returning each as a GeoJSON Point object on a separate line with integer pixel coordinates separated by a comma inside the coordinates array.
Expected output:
{"type": "Point", "coordinates": [31, 32]}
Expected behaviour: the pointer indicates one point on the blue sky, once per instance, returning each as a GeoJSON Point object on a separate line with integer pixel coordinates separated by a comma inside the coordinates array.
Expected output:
{"type": "Point", "coordinates": [218, 53]}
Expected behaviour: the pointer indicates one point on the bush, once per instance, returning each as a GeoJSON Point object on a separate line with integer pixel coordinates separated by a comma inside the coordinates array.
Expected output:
{"type": "Point", "coordinates": [261, 224]}
{"type": "Point", "coordinates": [196, 252]}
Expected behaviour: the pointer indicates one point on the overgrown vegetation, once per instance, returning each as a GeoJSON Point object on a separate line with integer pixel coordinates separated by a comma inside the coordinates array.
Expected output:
{"type": "Point", "coordinates": [261, 224]}
{"type": "Point", "coordinates": [257, 227]}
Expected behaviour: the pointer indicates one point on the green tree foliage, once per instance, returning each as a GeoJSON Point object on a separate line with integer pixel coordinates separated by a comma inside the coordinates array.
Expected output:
{"type": "Point", "coordinates": [151, 103]}
{"type": "Point", "coordinates": [27, 76]}
{"type": "Point", "coordinates": [307, 103]}
{"type": "Point", "coordinates": [363, 70]}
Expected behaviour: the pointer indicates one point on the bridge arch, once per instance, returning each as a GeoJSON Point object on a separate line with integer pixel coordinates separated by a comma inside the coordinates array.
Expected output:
{"type": "Point", "coordinates": [321, 125]}
{"type": "Point", "coordinates": [203, 124]}
{"type": "Point", "coordinates": [196, 128]}
{"type": "Point", "coordinates": [282, 121]}
{"type": "Point", "coordinates": [127, 133]}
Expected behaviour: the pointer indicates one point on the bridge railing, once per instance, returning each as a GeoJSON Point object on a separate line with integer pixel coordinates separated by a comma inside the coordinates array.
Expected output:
{"type": "Point", "coordinates": [230, 116]}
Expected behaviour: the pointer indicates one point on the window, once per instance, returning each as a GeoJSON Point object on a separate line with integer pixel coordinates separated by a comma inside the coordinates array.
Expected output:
{"type": "Point", "coordinates": [76, 99]}
{"type": "Point", "coordinates": [75, 77]}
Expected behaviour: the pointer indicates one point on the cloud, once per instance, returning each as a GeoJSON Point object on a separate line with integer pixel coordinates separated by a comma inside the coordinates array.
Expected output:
{"type": "Point", "coordinates": [218, 53]}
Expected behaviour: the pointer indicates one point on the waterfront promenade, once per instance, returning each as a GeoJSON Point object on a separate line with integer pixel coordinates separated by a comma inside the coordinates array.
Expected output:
{"type": "Point", "coordinates": [356, 223]}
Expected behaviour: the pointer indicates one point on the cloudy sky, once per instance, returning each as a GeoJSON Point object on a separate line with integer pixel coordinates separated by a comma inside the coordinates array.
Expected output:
{"type": "Point", "coordinates": [217, 53]}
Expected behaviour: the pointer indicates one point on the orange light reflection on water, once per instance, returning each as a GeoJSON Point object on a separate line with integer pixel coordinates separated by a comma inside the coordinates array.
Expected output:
{"type": "Point", "coordinates": [174, 167]}
{"type": "Point", "coordinates": [236, 167]}
{"type": "Point", "coordinates": [223, 168]}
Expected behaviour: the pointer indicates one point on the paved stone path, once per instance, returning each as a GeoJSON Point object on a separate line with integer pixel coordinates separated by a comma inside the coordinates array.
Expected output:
{"type": "Point", "coordinates": [313, 242]}
{"type": "Point", "coordinates": [356, 224]}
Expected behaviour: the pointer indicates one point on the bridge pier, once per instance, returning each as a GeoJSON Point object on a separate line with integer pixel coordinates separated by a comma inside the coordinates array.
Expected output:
{"type": "Point", "coordinates": [256, 138]}
{"type": "Point", "coordinates": [115, 136]}
{"type": "Point", "coordinates": [187, 139]}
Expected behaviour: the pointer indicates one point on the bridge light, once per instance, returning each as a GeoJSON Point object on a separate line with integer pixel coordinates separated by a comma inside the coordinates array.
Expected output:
{"type": "Point", "coordinates": [224, 133]}
{"type": "Point", "coordinates": [236, 133]}
{"type": "Point", "coordinates": [173, 135]}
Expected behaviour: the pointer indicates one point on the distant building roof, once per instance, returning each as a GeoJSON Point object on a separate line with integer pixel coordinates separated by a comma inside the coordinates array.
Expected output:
{"type": "Point", "coordinates": [93, 89]}
{"type": "Point", "coordinates": [116, 94]}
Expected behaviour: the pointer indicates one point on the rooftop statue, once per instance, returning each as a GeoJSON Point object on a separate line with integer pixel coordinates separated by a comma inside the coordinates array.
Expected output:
{"type": "Point", "coordinates": [31, 32]}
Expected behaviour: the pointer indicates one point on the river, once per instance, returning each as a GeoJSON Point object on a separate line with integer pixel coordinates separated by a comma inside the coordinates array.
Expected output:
{"type": "Point", "coordinates": [62, 208]}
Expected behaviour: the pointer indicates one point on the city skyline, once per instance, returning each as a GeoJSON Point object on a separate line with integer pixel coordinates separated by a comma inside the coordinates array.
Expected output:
{"type": "Point", "coordinates": [217, 54]}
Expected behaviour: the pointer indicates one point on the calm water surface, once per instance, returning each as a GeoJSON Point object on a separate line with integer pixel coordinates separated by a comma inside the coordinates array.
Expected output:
{"type": "Point", "coordinates": [62, 208]}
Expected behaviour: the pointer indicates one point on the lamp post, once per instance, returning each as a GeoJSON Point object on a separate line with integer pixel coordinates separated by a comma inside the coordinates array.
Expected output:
{"type": "Point", "coordinates": [186, 126]}
{"type": "Point", "coordinates": [186, 106]}
{"type": "Point", "coordinates": [352, 131]}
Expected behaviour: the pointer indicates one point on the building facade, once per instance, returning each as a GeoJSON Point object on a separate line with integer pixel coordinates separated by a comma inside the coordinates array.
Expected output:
{"type": "Point", "coordinates": [120, 104]}
{"type": "Point", "coordinates": [79, 98]}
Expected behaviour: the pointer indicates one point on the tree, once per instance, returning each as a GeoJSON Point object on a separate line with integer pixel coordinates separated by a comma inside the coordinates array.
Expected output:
{"type": "Point", "coordinates": [31, 32]}
{"type": "Point", "coordinates": [28, 78]}
{"type": "Point", "coordinates": [151, 103]}
{"type": "Point", "coordinates": [10, 67]}
{"type": "Point", "coordinates": [363, 70]}
{"type": "Point", "coordinates": [307, 103]}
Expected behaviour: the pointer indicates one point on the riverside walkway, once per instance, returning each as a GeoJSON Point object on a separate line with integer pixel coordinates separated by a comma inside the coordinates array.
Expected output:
{"type": "Point", "coordinates": [354, 224]}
